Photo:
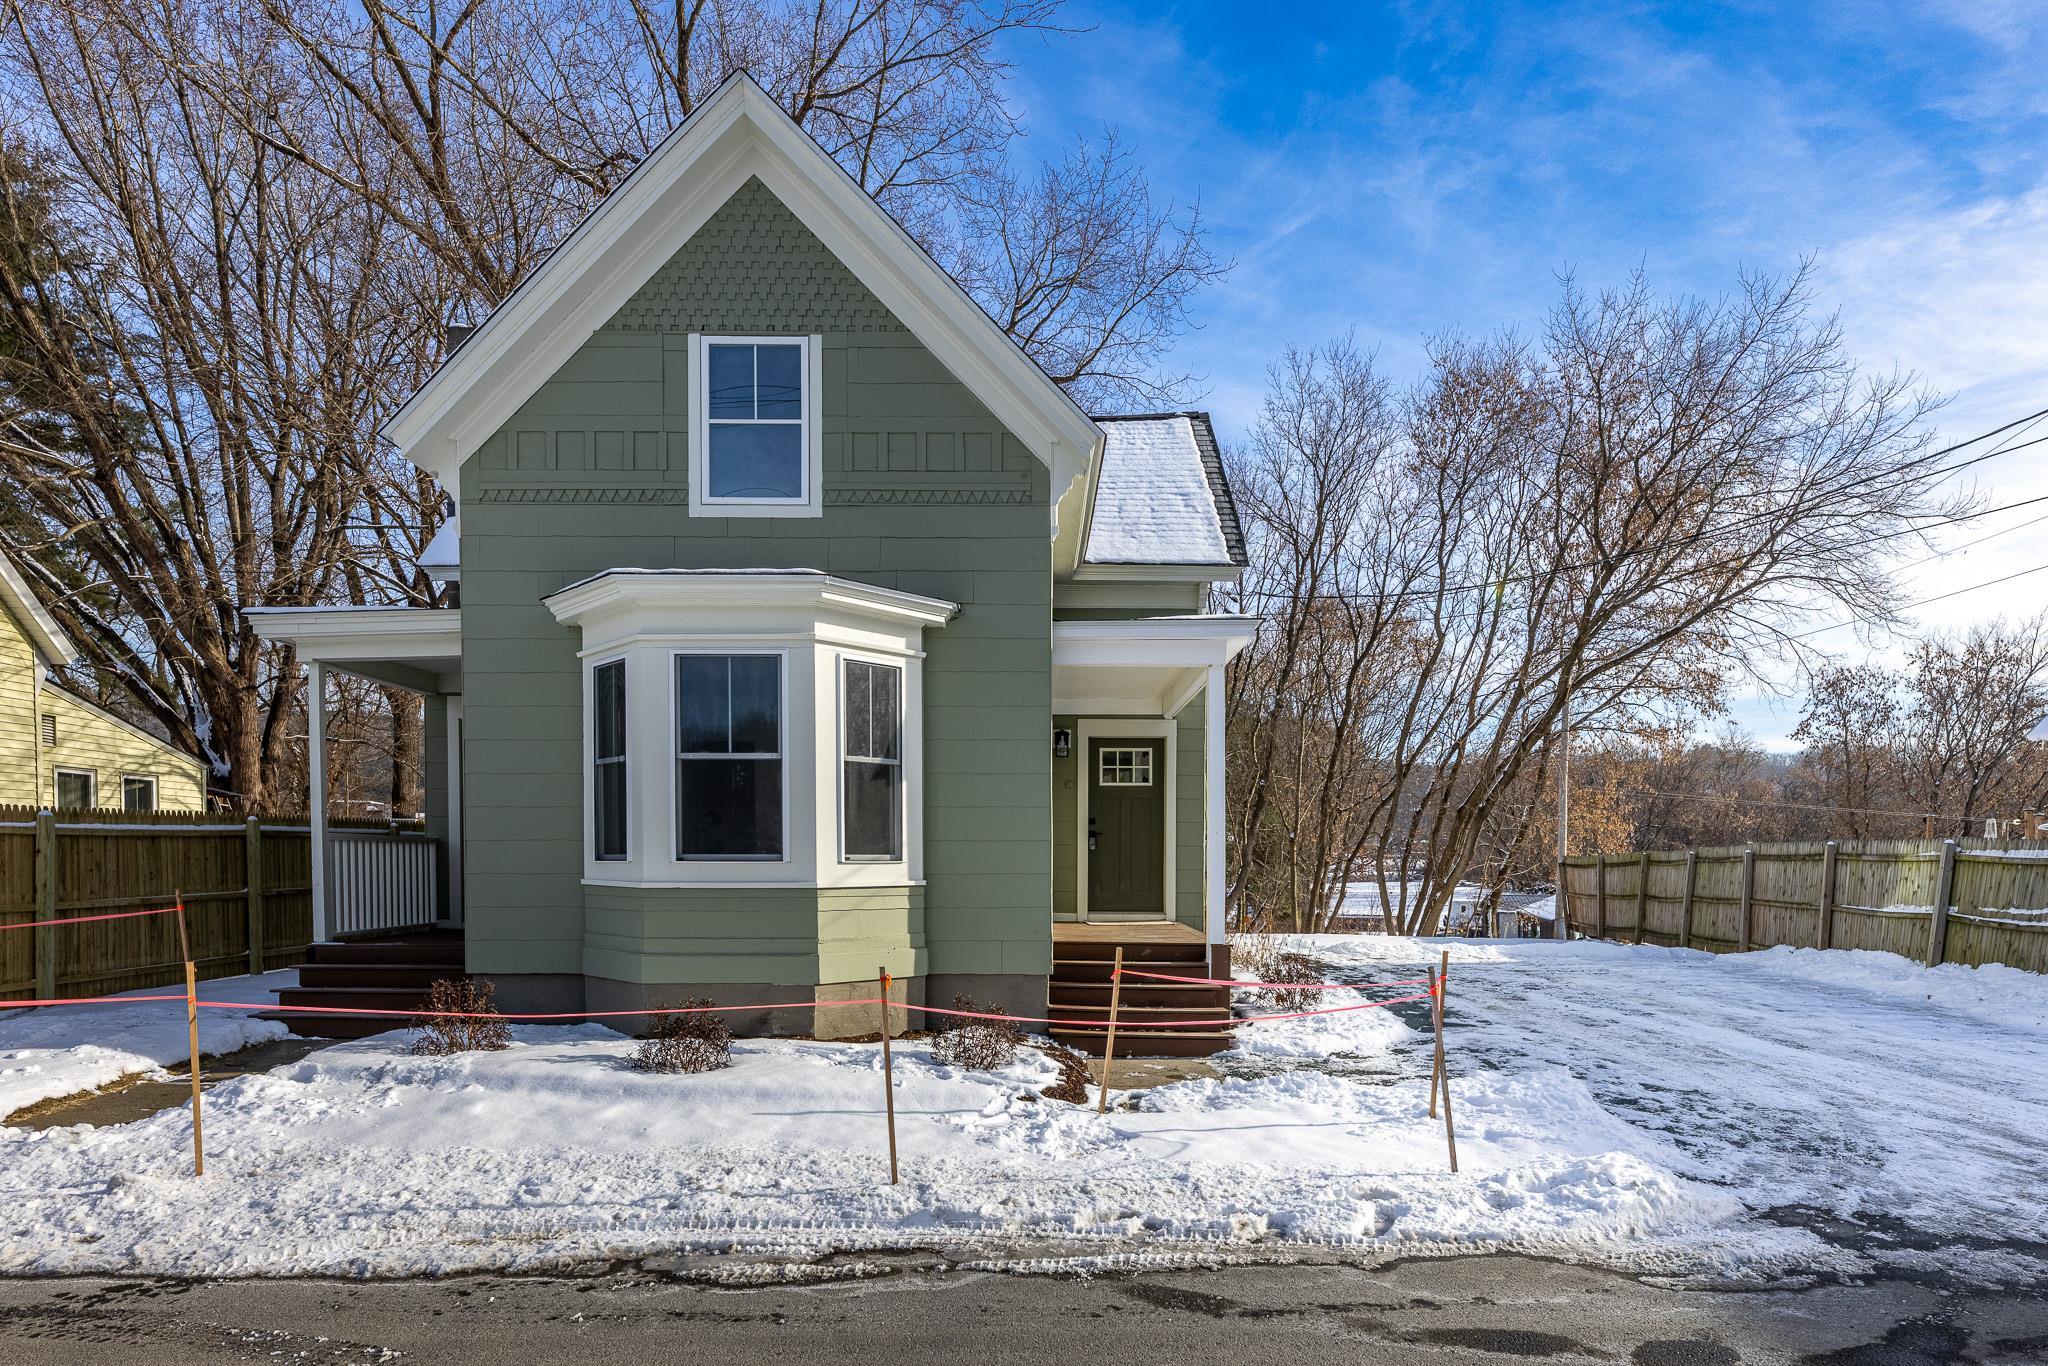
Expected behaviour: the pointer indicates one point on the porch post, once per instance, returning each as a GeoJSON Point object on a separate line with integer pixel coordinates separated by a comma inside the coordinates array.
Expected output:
{"type": "Point", "coordinates": [316, 789]}
{"type": "Point", "coordinates": [1213, 792]}
{"type": "Point", "coordinates": [454, 800]}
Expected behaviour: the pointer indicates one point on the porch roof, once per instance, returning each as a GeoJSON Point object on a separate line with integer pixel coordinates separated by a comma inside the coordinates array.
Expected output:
{"type": "Point", "coordinates": [1147, 666]}
{"type": "Point", "coordinates": [418, 648]}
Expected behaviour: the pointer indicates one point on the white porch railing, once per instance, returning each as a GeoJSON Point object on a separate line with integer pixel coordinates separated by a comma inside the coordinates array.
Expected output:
{"type": "Point", "coordinates": [380, 880]}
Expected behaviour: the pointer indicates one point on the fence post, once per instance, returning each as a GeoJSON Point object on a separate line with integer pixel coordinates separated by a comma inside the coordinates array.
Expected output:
{"type": "Point", "coordinates": [1944, 889]}
{"type": "Point", "coordinates": [1826, 933]}
{"type": "Point", "coordinates": [46, 905]}
{"type": "Point", "coordinates": [1748, 895]}
{"type": "Point", "coordinates": [252, 882]}
{"type": "Point", "coordinates": [1642, 894]}
{"type": "Point", "coordinates": [1599, 896]}
{"type": "Point", "coordinates": [1692, 863]}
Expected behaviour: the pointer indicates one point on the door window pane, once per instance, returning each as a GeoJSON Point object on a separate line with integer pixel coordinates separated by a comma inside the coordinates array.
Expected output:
{"type": "Point", "coordinates": [728, 756]}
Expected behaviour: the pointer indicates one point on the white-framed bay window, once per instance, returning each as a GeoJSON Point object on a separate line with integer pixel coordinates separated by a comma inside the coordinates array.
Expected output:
{"type": "Point", "coordinates": [789, 705]}
{"type": "Point", "coordinates": [755, 443]}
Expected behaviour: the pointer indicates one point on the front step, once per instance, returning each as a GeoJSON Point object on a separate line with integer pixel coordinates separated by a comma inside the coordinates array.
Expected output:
{"type": "Point", "coordinates": [375, 974]}
{"type": "Point", "coordinates": [1078, 996]}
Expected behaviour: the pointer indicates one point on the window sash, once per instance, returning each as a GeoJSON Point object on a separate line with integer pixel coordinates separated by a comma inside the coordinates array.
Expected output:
{"type": "Point", "coordinates": [134, 784]}
{"type": "Point", "coordinates": [86, 781]}
{"type": "Point", "coordinates": [610, 799]}
{"type": "Point", "coordinates": [871, 762]}
{"type": "Point", "coordinates": [800, 421]}
{"type": "Point", "coordinates": [755, 775]}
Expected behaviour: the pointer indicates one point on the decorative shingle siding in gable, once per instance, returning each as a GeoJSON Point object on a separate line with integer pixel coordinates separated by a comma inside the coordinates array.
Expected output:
{"type": "Point", "coordinates": [754, 267]}
{"type": "Point", "coordinates": [923, 490]}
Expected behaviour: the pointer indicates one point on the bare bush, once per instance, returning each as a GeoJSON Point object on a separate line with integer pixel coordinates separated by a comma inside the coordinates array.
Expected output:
{"type": "Point", "coordinates": [1288, 966]}
{"type": "Point", "coordinates": [979, 1045]}
{"type": "Point", "coordinates": [461, 1019]}
{"type": "Point", "coordinates": [1074, 1079]}
{"type": "Point", "coordinates": [698, 1042]}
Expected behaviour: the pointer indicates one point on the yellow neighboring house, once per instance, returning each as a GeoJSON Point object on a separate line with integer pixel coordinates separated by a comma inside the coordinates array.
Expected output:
{"type": "Point", "coordinates": [59, 750]}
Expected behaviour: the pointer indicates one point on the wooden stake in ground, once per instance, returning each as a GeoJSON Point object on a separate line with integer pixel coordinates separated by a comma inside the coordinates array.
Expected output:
{"type": "Point", "coordinates": [1436, 1022]}
{"type": "Point", "coordinates": [1116, 994]}
{"type": "Point", "coordinates": [1443, 1072]}
{"type": "Point", "coordinates": [888, 1074]}
{"type": "Point", "coordinates": [191, 1034]}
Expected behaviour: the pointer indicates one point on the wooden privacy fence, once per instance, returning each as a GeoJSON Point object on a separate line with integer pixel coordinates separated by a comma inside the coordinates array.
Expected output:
{"type": "Point", "coordinates": [1938, 901]}
{"type": "Point", "coordinates": [247, 888]}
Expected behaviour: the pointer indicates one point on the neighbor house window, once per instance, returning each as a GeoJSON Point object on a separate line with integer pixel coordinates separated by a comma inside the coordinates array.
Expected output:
{"type": "Point", "coordinates": [728, 756]}
{"type": "Point", "coordinates": [75, 789]}
{"type": "Point", "coordinates": [138, 792]}
{"type": "Point", "coordinates": [755, 436]}
{"type": "Point", "coordinates": [873, 763]}
{"type": "Point", "coordinates": [608, 759]}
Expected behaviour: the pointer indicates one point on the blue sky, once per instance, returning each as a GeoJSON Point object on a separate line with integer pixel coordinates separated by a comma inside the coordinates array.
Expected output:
{"type": "Point", "coordinates": [1399, 170]}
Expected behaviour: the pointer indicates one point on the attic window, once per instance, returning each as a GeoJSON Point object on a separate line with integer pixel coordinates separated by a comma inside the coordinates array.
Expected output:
{"type": "Point", "coordinates": [754, 429]}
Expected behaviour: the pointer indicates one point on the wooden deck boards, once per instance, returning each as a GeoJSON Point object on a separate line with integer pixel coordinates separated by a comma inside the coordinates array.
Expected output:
{"type": "Point", "coordinates": [1135, 932]}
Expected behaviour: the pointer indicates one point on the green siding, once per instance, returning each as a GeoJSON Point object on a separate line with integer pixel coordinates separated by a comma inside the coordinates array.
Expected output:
{"type": "Point", "coordinates": [923, 491]}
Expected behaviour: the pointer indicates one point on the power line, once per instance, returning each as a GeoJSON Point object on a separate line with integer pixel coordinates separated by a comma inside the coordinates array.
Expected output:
{"type": "Point", "coordinates": [1795, 806]}
{"type": "Point", "coordinates": [1923, 602]}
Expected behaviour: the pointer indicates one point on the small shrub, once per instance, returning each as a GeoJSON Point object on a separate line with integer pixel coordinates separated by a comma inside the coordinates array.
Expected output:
{"type": "Point", "coordinates": [1254, 951]}
{"type": "Point", "coordinates": [978, 1045]}
{"type": "Point", "coordinates": [1289, 966]}
{"type": "Point", "coordinates": [686, 1043]}
{"type": "Point", "coordinates": [1074, 1079]}
{"type": "Point", "coordinates": [485, 1030]}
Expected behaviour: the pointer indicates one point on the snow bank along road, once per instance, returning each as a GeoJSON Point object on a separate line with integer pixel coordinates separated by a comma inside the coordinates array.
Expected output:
{"type": "Point", "coordinates": [1650, 1109]}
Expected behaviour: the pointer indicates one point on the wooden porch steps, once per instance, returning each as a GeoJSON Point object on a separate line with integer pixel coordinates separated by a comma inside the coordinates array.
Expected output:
{"type": "Point", "coordinates": [1078, 994]}
{"type": "Point", "coordinates": [392, 973]}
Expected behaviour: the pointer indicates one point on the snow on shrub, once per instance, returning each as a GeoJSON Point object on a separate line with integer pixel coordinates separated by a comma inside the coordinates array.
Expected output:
{"type": "Point", "coordinates": [979, 1045]}
{"type": "Point", "coordinates": [461, 1019]}
{"type": "Point", "coordinates": [687, 1043]}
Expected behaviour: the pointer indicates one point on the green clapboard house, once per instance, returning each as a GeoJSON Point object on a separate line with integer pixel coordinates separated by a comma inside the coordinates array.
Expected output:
{"type": "Point", "coordinates": [806, 630]}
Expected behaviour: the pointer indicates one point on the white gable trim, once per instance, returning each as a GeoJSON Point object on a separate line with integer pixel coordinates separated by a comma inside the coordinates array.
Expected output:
{"type": "Point", "coordinates": [35, 620]}
{"type": "Point", "coordinates": [739, 132]}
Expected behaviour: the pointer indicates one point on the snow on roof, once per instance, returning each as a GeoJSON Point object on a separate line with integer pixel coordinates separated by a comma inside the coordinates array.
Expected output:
{"type": "Point", "coordinates": [1157, 499]}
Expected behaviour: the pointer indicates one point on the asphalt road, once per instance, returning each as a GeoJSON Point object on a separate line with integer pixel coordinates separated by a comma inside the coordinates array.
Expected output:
{"type": "Point", "coordinates": [1488, 1310]}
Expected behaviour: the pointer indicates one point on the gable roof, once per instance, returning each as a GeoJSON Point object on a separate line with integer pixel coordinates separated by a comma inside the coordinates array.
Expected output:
{"type": "Point", "coordinates": [738, 133]}
{"type": "Point", "coordinates": [1161, 497]}
{"type": "Point", "coordinates": [25, 607]}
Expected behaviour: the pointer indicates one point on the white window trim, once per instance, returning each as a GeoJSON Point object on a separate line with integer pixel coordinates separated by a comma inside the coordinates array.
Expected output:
{"type": "Point", "coordinates": [811, 503]}
{"type": "Point", "coordinates": [1114, 728]}
{"type": "Point", "coordinates": [590, 668]}
{"type": "Point", "coordinates": [92, 784]}
{"type": "Point", "coordinates": [155, 789]}
{"type": "Point", "coordinates": [904, 767]}
{"type": "Point", "coordinates": [781, 656]}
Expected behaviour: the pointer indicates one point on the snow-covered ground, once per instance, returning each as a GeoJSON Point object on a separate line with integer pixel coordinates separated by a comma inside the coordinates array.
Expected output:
{"type": "Point", "coordinates": [62, 1050]}
{"type": "Point", "coordinates": [1663, 1110]}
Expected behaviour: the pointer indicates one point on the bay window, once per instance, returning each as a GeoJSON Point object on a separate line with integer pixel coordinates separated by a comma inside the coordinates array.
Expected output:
{"type": "Point", "coordinates": [871, 806]}
{"type": "Point", "coordinates": [728, 756]}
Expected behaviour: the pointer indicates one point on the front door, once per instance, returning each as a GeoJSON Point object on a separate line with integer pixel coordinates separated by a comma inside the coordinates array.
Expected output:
{"type": "Point", "coordinates": [1126, 829]}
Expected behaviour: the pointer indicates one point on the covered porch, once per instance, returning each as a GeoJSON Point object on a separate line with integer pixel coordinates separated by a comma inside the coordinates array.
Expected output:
{"type": "Point", "coordinates": [368, 883]}
{"type": "Point", "coordinates": [1138, 772]}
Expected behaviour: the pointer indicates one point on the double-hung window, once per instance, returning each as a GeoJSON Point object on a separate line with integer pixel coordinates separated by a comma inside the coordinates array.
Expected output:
{"type": "Point", "coordinates": [729, 756]}
{"type": "Point", "coordinates": [138, 792]}
{"type": "Point", "coordinates": [872, 781]}
{"type": "Point", "coordinates": [608, 760]}
{"type": "Point", "coordinates": [76, 789]}
{"type": "Point", "coordinates": [755, 437]}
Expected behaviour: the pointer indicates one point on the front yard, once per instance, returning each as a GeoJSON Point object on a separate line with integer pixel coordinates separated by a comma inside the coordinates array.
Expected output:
{"type": "Point", "coordinates": [1655, 1109]}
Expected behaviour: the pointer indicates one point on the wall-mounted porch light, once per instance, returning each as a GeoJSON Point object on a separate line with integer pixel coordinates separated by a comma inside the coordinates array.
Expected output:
{"type": "Point", "coordinates": [1062, 743]}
